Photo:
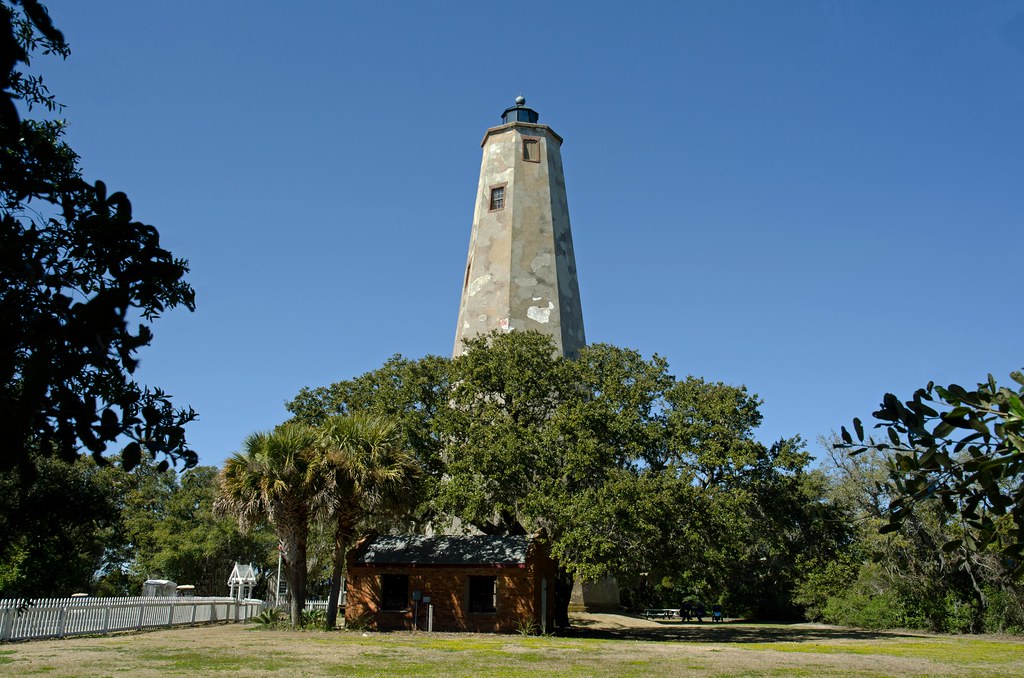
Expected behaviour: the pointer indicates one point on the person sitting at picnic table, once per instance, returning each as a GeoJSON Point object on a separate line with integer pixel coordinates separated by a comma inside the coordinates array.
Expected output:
{"type": "Point", "coordinates": [699, 611]}
{"type": "Point", "coordinates": [685, 610]}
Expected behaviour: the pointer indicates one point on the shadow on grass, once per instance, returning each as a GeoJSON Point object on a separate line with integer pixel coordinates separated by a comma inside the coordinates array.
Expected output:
{"type": "Point", "coordinates": [728, 632]}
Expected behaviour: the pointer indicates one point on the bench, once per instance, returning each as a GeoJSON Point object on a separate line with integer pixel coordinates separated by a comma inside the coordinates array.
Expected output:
{"type": "Point", "coordinates": [660, 613]}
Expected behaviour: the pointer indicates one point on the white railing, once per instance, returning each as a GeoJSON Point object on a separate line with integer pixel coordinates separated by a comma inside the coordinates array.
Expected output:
{"type": "Point", "coordinates": [60, 617]}
{"type": "Point", "coordinates": [321, 603]}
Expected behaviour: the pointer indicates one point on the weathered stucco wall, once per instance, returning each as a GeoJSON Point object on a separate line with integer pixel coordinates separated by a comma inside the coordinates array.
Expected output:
{"type": "Point", "coordinates": [521, 268]}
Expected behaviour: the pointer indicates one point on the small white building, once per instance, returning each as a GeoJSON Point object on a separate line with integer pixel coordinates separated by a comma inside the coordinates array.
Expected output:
{"type": "Point", "coordinates": [242, 581]}
{"type": "Point", "coordinates": [159, 588]}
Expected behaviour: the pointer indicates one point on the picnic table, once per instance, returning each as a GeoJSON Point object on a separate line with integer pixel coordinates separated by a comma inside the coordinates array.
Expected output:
{"type": "Point", "coordinates": [660, 613]}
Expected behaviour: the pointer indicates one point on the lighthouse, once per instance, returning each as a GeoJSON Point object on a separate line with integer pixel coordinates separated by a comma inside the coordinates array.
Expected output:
{"type": "Point", "coordinates": [521, 268]}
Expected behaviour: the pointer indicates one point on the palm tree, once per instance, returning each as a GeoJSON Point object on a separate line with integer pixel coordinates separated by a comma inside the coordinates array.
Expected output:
{"type": "Point", "coordinates": [368, 473]}
{"type": "Point", "coordinates": [273, 479]}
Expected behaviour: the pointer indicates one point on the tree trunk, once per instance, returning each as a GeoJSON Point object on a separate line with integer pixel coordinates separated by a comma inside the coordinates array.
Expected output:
{"type": "Point", "coordinates": [342, 537]}
{"type": "Point", "coordinates": [294, 557]}
{"type": "Point", "coordinates": [563, 592]}
{"type": "Point", "coordinates": [295, 612]}
{"type": "Point", "coordinates": [339, 567]}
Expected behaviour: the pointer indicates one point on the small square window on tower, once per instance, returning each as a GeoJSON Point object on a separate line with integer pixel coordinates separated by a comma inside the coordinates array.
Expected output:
{"type": "Point", "coordinates": [531, 149]}
{"type": "Point", "coordinates": [497, 198]}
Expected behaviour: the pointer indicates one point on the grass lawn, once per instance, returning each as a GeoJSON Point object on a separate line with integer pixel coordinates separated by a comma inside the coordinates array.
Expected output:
{"type": "Point", "coordinates": [732, 649]}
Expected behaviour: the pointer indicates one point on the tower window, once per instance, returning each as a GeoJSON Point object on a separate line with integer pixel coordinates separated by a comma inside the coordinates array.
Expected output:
{"type": "Point", "coordinates": [531, 149]}
{"type": "Point", "coordinates": [497, 198]}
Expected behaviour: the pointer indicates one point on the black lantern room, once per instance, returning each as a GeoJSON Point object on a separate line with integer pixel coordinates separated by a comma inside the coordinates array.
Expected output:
{"type": "Point", "coordinates": [519, 112]}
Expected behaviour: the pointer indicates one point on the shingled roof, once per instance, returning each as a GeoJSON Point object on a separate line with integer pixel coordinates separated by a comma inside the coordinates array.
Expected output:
{"type": "Point", "coordinates": [419, 550]}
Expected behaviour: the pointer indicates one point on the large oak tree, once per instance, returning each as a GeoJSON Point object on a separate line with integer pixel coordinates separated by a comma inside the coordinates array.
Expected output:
{"type": "Point", "coordinates": [631, 472]}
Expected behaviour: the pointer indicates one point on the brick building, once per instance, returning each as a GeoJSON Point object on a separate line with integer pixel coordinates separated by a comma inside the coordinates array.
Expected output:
{"type": "Point", "coordinates": [476, 583]}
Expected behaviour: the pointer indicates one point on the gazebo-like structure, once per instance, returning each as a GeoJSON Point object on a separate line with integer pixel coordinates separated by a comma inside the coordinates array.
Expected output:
{"type": "Point", "coordinates": [242, 581]}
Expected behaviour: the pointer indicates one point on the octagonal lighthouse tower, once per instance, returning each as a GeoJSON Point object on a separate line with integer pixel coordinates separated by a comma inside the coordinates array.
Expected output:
{"type": "Point", "coordinates": [521, 270]}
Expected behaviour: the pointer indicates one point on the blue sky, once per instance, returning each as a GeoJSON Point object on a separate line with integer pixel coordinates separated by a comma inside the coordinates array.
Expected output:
{"type": "Point", "coordinates": [820, 200]}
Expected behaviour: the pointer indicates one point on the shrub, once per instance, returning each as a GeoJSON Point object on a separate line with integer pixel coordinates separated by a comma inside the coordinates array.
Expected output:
{"type": "Point", "coordinates": [312, 618]}
{"type": "Point", "coordinates": [526, 626]}
{"type": "Point", "coordinates": [1004, 612]}
{"type": "Point", "coordinates": [853, 608]}
{"type": "Point", "coordinates": [959, 616]}
{"type": "Point", "coordinates": [272, 616]}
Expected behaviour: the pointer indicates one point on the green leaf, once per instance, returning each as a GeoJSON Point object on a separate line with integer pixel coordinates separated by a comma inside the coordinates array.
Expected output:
{"type": "Point", "coordinates": [1016, 406]}
{"type": "Point", "coordinates": [951, 546]}
{"type": "Point", "coordinates": [978, 424]}
{"type": "Point", "coordinates": [905, 463]}
{"type": "Point", "coordinates": [1017, 377]}
{"type": "Point", "coordinates": [131, 455]}
{"type": "Point", "coordinates": [845, 435]}
{"type": "Point", "coordinates": [1000, 500]}
{"type": "Point", "coordinates": [859, 428]}
{"type": "Point", "coordinates": [965, 441]}
{"type": "Point", "coordinates": [109, 424]}
{"type": "Point", "coordinates": [954, 420]}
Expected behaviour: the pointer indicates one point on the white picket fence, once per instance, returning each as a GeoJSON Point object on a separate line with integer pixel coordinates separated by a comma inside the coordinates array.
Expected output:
{"type": "Point", "coordinates": [321, 603]}
{"type": "Point", "coordinates": [60, 617]}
